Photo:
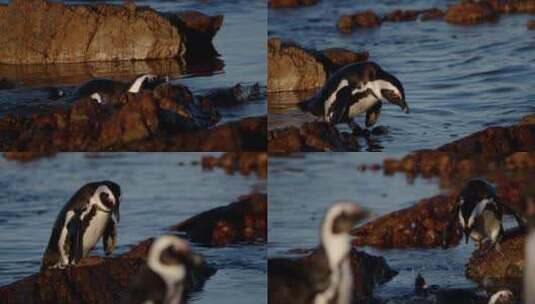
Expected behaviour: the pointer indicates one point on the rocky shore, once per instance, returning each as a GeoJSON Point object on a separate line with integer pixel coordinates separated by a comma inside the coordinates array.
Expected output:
{"type": "Point", "coordinates": [42, 32]}
{"type": "Point", "coordinates": [243, 162]}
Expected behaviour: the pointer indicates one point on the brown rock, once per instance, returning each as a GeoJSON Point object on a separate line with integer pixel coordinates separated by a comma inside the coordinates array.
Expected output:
{"type": "Point", "coordinates": [243, 162]}
{"type": "Point", "coordinates": [527, 120]}
{"type": "Point", "coordinates": [468, 13]}
{"type": "Point", "coordinates": [241, 221]}
{"type": "Point", "coordinates": [424, 225]}
{"type": "Point", "coordinates": [291, 68]}
{"type": "Point", "coordinates": [366, 19]}
{"type": "Point", "coordinates": [291, 3]}
{"type": "Point", "coordinates": [339, 57]}
{"type": "Point", "coordinates": [513, 6]}
{"type": "Point", "coordinates": [37, 31]}
{"type": "Point", "coordinates": [236, 95]}
{"type": "Point", "coordinates": [401, 15]}
{"type": "Point", "coordinates": [6, 84]}
{"type": "Point", "coordinates": [432, 14]}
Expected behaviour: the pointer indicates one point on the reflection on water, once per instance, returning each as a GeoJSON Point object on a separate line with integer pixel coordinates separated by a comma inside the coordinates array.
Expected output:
{"type": "Point", "coordinates": [159, 190]}
{"type": "Point", "coordinates": [458, 79]}
{"type": "Point", "coordinates": [301, 188]}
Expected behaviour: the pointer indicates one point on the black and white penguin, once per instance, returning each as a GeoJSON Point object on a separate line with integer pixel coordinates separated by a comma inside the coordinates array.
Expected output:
{"type": "Point", "coordinates": [529, 253]}
{"type": "Point", "coordinates": [107, 88]}
{"type": "Point", "coordinates": [355, 89]}
{"type": "Point", "coordinates": [329, 279]}
{"type": "Point", "coordinates": [163, 279]}
{"type": "Point", "coordinates": [480, 213]}
{"type": "Point", "coordinates": [92, 213]}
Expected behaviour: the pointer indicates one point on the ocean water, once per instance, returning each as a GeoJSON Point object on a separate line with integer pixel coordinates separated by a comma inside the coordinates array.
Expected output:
{"type": "Point", "coordinates": [159, 190]}
{"type": "Point", "coordinates": [457, 79]}
{"type": "Point", "coordinates": [240, 41]}
{"type": "Point", "coordinates": [302, 187]}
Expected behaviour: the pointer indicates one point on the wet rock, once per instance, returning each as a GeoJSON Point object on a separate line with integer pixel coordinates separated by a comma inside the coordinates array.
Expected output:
{"type": "Point", "coordinates": [513, 6]}
{"type": "Point", "coordinates": [199, 30]}
{"type": "Point", "coordinates": [310, 137]}
{"type": "Point", "coordinates": [402, 15]}
{"type": "Point", "coordinates": [244, 221]}
{"type": "Point", "coordinates": [527, 120]}
{"type": "Point", "coordinates": [468, 13]}
{"type": "Point", "coordinates": [424, 225]}
{"type": "Point", "coordinates": [26, 156]}
{"type": "Point", "coordinates": [236, 95]}
{"type": "Point", "coordinates": [6, 84]}
{"type": "Point", "coordinates": [432, 14]}
{"type": "Point", "coordinates": [94, 280]}
{"type": "Point", "coordinates": [335, 58]}
{"type": "Point", "coordinates": [243, 162]}
{"type": "Point", "coordinates": [291, 68]}
{"type": "Point", "coordinates": [291, 3]}
{"type": "Point", "coordinates": [38, 31]}
{"type": "Point", "coordinates": [367, 19]}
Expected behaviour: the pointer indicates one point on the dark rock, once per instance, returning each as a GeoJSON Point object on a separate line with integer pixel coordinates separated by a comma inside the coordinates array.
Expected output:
{"type": "Point", "coordinates": [335, 58]}
{"type": "Point", "coordinates": [402, 15]}
{"type": "Point", "coordinates": [236, 95]}
{"type": "Point", "coordinates": [366, 19]}
{"type": "Point", "coordinates": [291, 3]}
{"type": "Point", "coordinates": [6, 84]}
{"type": "Point", "coordinates": [244, 221]}
{"type": "Point", "coordinates": [243, 162]}
{"type": "Point", "coordinates": [424, 225]}
{"type": "Point", "coordinates": [379, 130]}
{"type": "Point", "coordinates": [468, 13]}
{"type": "Point", "coordinates": [432, 14]}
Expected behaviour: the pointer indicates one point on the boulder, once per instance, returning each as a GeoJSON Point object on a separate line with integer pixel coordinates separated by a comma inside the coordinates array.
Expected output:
{"type": "Point", "coordinates": [291, 3]}
{"type": "Point", "coordinates": [38, 31]}
{"type": "Point", "coordinates": [367, 19]}
{"type": "Point", "coordinates": [468, 13]}
{"type": "Point", "coordinates": [243, 162]}
{"type": "Point", "coordinates": [244, 221]}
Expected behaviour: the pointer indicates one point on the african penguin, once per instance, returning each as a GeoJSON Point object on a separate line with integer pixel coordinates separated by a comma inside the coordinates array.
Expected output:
{"type": "Point", "coordinates": [480, 213]}
{"type": "Point", "coordinates": [91, 213]}
{"type": "Point", "coordinates": [329, 278]}
{"type": "Point", "coordinates": [355, 89]}
{"type": "Point", "coordinates": [163, 279]}
{"type": "Point", "coordinates": [107, 88]}
{"type": "Point", "coordinates": [529, 253]}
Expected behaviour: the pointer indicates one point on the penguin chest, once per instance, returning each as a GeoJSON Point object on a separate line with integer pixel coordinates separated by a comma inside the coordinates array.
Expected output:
{"type": "Point", "coordinates": [486, 225]}
{"type": "Point", "coordinates": [94, 230]}
{"type": "Point", "coordinates": [362, 105]}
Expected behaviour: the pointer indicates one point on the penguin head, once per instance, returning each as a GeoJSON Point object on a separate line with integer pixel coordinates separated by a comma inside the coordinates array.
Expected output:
{"type": "Point", "coordinates": [390, 88]}
{"type": "Point", "coordinates": [420, 286]}
{"type": "Point", "coordinates": [342, 217]}
{"type": "Point", "coordinates": [502, 297]}
{"type": "Point", "coordinates": [107, 198]}
{"type": "Point", "coordinates": [146, 81]}
{"type": "Point", "coordinates": [475, 196]}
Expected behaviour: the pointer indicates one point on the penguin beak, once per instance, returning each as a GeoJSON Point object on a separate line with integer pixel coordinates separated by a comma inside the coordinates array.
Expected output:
{"type": "Point", "coordinates": [404, 106]}
{"type": "Point", "coordinates": [466, 235]}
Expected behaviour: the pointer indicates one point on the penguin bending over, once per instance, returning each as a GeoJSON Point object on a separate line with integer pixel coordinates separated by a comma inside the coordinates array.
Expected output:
{"type": "Point", "coordinates": [480, 213]}
{"type": "Point", "coordinates": [355, 89]}
{"type": "Point", "coordinates": [92, 213]}
{"type": "Point", "coordinates": [329, 280]}
{"type": "Point", "coordinates": [163, 279]}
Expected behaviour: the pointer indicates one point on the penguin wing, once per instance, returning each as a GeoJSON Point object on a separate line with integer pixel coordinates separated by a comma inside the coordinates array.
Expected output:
{"type": "Point", "coordinates": [519, 219]}
{"type": "Point", "coordinates": [373, 114]}
{"type": "Point", "coordinates": [109, 237]}
{"type": "Point", "coordinates": [75, 237]}
{"type": "Point", "coordinates": [340, 106]}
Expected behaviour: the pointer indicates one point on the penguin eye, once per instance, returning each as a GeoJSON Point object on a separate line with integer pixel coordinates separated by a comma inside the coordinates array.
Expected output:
{"type": "Point", "coordinates": [104, 197]}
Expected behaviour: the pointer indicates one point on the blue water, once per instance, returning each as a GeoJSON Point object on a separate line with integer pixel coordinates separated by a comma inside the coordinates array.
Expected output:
{"type": "Point", "coordinates": [159, 190]}
{"type": "Point", "coordinates": [240, 41]}
{"type": "Point", "coordinates": [457, 79]}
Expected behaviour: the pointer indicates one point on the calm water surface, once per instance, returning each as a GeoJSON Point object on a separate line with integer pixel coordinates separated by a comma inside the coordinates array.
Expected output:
{"type": "Point", "coordinates": [302, 187]}
{"type": "Point", "coordinates": [240, 41]}
{"type": "Point", "coordinates": [159, 190]}
{"type": "Point", "coordinates": [457, 79]}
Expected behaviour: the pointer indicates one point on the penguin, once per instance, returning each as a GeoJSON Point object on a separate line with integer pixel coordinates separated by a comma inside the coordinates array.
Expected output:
{"type": "Point", "coordinates": [480, 213]}
{"type": "Point", "coordinates": [529, 252]}
{"type": "Point", "coordinates": [91, 213]}
{"type": "Point", "coordinates": [329, 278]}
{"type": "Point", "coordinates": [108, 88]}
{"type": "Point", "coordinates": [163, 278]}
{"type": "Point", "coordinates": [355, 89]}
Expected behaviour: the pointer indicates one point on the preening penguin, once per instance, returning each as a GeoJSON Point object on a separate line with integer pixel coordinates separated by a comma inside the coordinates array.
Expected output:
{"type": "Point", "coordinates": [163, 279]}
{"type": "Point", "coordinates": [329, 279]}
{"type": "Point", "coordinates": [480, 213]}
{"type": "Point", "coordinates": [355, 89]}
{"type": "Point", "coordinates": [92, 213]}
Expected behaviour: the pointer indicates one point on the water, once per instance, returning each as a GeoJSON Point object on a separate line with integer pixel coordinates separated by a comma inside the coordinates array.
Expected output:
{"type": "Point", "coordinates": [302, 187]}
{"type": "Point", "coordinates": [458, 79]}
{"type": "Point", "coordinates": [240, 41]}
{"type": "Point", "coordinates": [159, 190]}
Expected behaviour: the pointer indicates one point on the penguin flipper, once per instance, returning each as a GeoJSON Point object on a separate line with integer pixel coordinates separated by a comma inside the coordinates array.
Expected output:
{"type": "Point", "coordinates": [519, 219]}
{"type": "Point", "coordinates": [372, 115]}
{"type": "Point", "coordinates": [109, 238]}
{"type": "Point", "coordinates": [340, 106]}
{"type": "Point", "coordinates": [75, 237]}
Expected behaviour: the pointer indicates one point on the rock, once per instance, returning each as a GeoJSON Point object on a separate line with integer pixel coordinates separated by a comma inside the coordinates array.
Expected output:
{"type": "Point", "coordinates": [468, 13]}
{"type": "Point", "coordinates": [244, 221]}
{"type": "Point", "coordinates": [243, 162]}
{"type": "Point", "coordinates": [424, 225]}
{"type": "Point", "coordinates": [5, 84]}
{"type": "Point", "coordinates": [335, 58]}
{"type": "Point", "coordinates": [38, 31]}
{"type": "Point", "coordinates": [402, 15]}
{"type": "Point", "coordinates": [513, 6]}
{"type": "Point", "coordinates": [291, 3]}
{"type": "Point", "coordinates": [236, 95]}
{"type": "Point", "coordinates": [432, 14]}
{"type": "Point", "coordinates": [311, 136]}
{"type": "Point", "coordinates": [26, 156]}
{"type": "Point", "coordinates": [199, 29]}
{"type": "Point", "coordinates": [94, 280]}
{"type": "Point", "coordinates": [291, 68]}
{"type": "Point", "coordinates": [366, 19]}
{"type": "Point", "coordinates": [527, 120]}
